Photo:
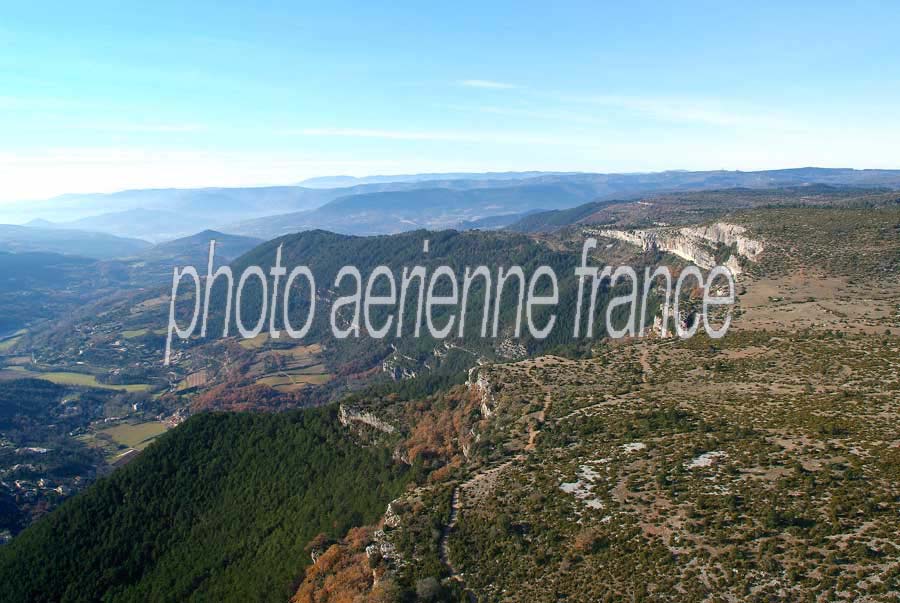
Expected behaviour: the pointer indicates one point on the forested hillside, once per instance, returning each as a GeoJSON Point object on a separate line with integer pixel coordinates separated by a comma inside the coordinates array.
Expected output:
{"type": "Point", "coordinates": [219, 509]}
{"type": "Point", "coordinates": [325, 253]}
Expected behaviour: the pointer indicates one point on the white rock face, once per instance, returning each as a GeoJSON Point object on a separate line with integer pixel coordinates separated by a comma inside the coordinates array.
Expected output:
{"type": "Point", "coordinates": [482, 386]}
{"type": "Point", "coordinates": [391, 518]}
{"type": "Point", "coordinates": [348, 415]}
{"type": "Point", "coordinates": [706, 459]}
{"type": "Point", "coordinates": [399, 366]}
{"type": "Point", "coordinates": [583, 488]}
{"type": "Point", "coordinates": [729, 234]}
{"type": "Point", "coordinates": [693, 243]}
{"type": "Point", "coordinates": [386, 549]}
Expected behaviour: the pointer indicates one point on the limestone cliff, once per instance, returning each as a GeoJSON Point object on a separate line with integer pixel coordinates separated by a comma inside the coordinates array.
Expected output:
{"type": "Point", "coordinates": [696, 244]}
{"type": "Point", "coordinates": [348, 415]}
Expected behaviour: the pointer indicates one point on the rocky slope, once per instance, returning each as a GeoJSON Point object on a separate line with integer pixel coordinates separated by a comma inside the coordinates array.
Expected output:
{"type": "Point", "coordinates": [697, 244]}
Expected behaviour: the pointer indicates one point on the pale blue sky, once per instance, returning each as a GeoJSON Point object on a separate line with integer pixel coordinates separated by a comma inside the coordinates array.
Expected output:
{"type": "Point", "coordinates": [100, 96]}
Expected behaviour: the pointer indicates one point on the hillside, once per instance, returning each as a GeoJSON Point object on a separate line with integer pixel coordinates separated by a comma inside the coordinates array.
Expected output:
{"type": "Point", "coordinates": [494, 222]}
{"type": "Point", "coordinates": [695, 206]}
{"type": "Point", "coordinates": [39, 463]}
{"type": "Point", "coordinates": [219, 509]}
{"type": "Point", "coordinates": [758, 467]}
{"type": "Point", "coordinates": [548, 221]}
{"type": "Point", "coordinates": [354, 358]}
{"type": "Point", "coordinates": [42, 285]}
{"type": "Point", "coordinates": [193, 250]}
{"type": "Point", "coordinates": [97, 245]}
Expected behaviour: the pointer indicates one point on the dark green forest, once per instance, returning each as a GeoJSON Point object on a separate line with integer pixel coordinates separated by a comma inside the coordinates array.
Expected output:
{"type": "Point", "coordinates": [325, 253]}
{"type": "Point", "coordinates": [219, 509]}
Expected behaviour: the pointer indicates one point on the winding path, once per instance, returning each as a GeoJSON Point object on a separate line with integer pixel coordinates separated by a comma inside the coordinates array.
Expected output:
{"type": "Point", "coordinates": [445, 546]}
{"type": "Point", "coordinates": [445, 537]}
{"type": "Point", "coordinates": [475, 480]}
{"type": "Point", "coordinates": [455, 506]}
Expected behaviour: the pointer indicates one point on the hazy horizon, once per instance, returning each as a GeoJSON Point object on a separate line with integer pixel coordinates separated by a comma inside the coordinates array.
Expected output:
{"type": "Point", "coordinates": [205, 96]}
{"type": "Point", "coordinates": [443, 175]}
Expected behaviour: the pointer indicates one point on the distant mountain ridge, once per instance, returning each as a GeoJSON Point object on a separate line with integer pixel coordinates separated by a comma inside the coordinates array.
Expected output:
{"type": "Point", "coordinates": [403, 203]}
{"type": "Point", "coordinates": [230, 204]}
{"type": "Point", "coordinates": [435, 205]}
{"type": "Point", "coordinates": [64, 241]}
{"type": "Point", "coordinates": [343, 181]}
{"type": "Point", "coordinates": [152, 225]}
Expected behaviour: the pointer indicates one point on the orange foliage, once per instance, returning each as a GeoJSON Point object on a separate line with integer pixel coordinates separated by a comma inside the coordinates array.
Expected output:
{"type": "Point", "coordinates": [341, 574]}
{"type": "Point", "coordinates": [441, 474]}
{"type": "Point", "coordinates": [442, 426]}
{"type": "Point", "coordinates": [229, 396]}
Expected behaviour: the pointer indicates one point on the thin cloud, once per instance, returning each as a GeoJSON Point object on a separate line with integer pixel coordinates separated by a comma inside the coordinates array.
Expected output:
{"type": "Point", "coordinates": [139, 128]}
{"type": "Point", "coordinates": [709, 112]}
{"type": "Point", "coordinates": [679, 110]}
{"type": "Point", "coordinates": [515, 138]}
{"type": "Point", "coordinates": [391, 134]}
{"type": "Point", "coordinates": [490, 84]}
{"type": "Point", "coordinates": [550, 115]}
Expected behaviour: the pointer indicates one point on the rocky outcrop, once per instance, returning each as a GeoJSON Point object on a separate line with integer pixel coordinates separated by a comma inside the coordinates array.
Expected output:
{"type": "Point", "coordinates": [481, 386]}
{"type": "Point", "coordinates": [391, 517]}
{"type": "Point", "coordinates": [381, 547]}
{"type": "Point", "coordinates": [729, 234]}
{"type": "Point", "coordinates": [385, 549]}
{"type": "Point", "coordinates": [348, 415]}
{"type": "Point", "coordinates": [399, 366]}
{"type": "Point", "coordinates": [696, 244]}
{"type": "Point", "coordinates": [511, 350]}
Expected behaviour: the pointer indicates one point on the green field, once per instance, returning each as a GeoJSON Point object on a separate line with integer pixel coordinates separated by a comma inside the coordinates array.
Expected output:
{"type": "Point", "coordinates": [66, 378]}
{"type": "Point", "coordinates": [254, 343]}
{"type": "Point", "coordinates": [136, 435]}
{"type": "Point", "coordinates": [134, 333]}
{"type": "Point", "coordinates": [6, 345]}
{"type": "Point", "coordinates": [69, 378]}
{"type": "Point", "coordinates": [293, 381]}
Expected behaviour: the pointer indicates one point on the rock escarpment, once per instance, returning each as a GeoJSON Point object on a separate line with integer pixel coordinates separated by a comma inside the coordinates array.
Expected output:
{"type": "Point", "coordinates": [696, 244]}
{"type": "Point", "coordinates": [348, 415]}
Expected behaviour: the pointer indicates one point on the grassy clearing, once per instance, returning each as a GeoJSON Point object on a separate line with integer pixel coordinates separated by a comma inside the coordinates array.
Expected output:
{"type": "Point", "coordinates": [289, 369]}
{"type": "Point", "coordinates": [149, 304]}
{"type": "Point", "coordinates": [136, 435]}
{"type": "Point", "coordinates": [255, 343]}
{"type": "Point", "coordinates": [7, 345]}
{"type": "Point", "coordinates": [131, 334]}
{"type": "Point", "coordinates": [293, 381]}
{"type": "Point", "coordinates": [68, 378]}
{"type": "Point", "coordinates": [123, 439]}
{"type": "Point", "coordinates": [197, 379]}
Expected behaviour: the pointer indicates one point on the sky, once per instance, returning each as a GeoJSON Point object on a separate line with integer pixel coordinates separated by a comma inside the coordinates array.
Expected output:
{"type": "Point", "coordinates": [98, 97]}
